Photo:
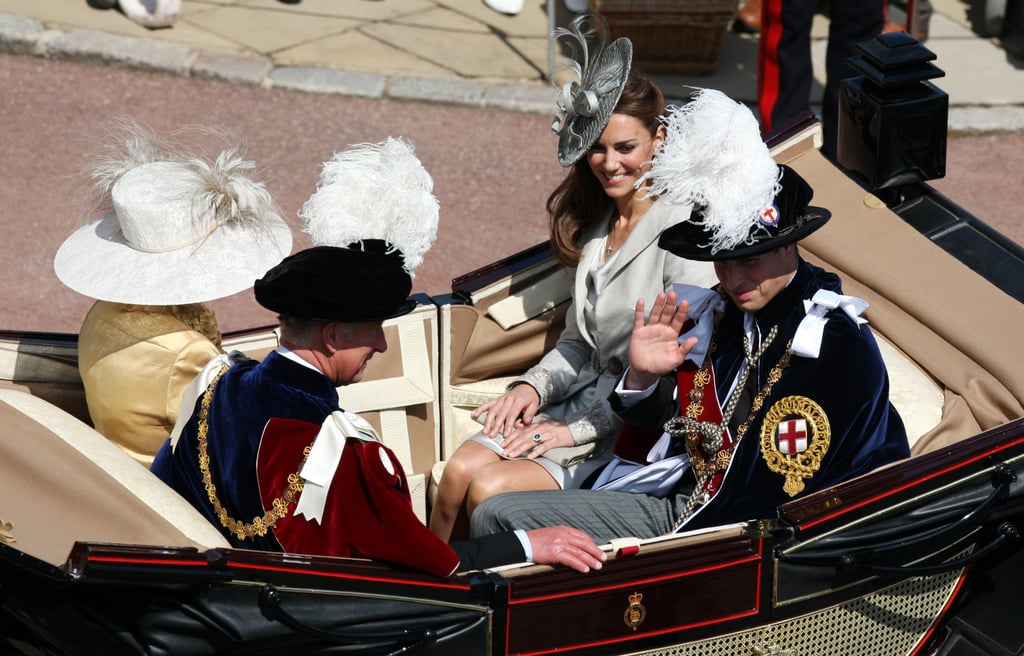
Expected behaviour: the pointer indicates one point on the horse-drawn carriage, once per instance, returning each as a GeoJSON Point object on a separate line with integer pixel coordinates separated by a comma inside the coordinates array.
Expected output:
{"type": "Point", "coordinates": [920, 557]}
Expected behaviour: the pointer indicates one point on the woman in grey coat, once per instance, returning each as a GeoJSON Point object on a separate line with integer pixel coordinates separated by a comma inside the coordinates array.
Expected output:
{"type": "Point", "coordinates": [553, 426]}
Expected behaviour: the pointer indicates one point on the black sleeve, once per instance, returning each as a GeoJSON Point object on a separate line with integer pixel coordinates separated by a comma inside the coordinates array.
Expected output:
{"type": "Point", "coordinates": [489, 551]}
{"type": "Point", "coordinates": [652, 411]}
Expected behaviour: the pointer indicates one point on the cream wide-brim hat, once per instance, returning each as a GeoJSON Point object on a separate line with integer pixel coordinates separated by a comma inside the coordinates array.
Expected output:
{"type": "Point", "coordinates": [155, 248]}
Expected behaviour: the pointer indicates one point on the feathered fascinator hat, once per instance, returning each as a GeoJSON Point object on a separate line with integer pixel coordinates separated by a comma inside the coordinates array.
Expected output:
{"type": "Point", "coordinates": [713, 158]}
{"type": "Point", "coordinates": [182, 230]}
{"type": "Point", "coordinates": [600, 71]}
{"type": "Point", "coordinates": [372, 219]}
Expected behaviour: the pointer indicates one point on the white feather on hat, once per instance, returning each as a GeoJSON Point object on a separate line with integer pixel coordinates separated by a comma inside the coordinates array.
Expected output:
{"type": "Point", "coordinates": [375, 191]}
{"type": "Point", "coordinates": [181, 230]}
{"type": "Point", "coordinates": [713, 157]}
{"type": "Point", "coordinates": [129, 144]}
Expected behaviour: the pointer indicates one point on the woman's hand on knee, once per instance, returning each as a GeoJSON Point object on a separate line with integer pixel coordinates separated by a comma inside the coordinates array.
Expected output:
{"type": "Point", "coordinates": [514, 408]}
{"type": "Point", "coordinates": [537, 439]}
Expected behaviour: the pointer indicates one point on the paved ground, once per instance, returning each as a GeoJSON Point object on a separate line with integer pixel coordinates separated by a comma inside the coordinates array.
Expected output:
{"type": "Point", "coordinates": [492, 169]}
{"type": "Point", "coordinates": [447, 50]}
{"type": "Point", "coordinates": [302, 80]}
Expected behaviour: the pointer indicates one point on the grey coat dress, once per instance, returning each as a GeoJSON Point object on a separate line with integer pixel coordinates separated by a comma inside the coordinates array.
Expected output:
{"type": "Point", "coordinates": [575, 378]}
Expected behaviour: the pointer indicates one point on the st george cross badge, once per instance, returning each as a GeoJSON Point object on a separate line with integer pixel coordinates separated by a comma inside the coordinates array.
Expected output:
{"type": "Point", "coordinates": [791, 436]}
{"type": "Point", "coordinates": [770, 216]}
{"type": "Point", "coordinates": [795, 436]}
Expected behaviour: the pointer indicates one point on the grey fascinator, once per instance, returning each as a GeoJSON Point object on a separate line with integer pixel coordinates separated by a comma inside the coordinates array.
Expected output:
{"type": "Point", "coordinates": [600, 70]}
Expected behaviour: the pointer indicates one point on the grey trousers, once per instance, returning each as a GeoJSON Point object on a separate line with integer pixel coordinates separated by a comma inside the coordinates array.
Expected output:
{"type": "Point", "coordinates": [601, 514]}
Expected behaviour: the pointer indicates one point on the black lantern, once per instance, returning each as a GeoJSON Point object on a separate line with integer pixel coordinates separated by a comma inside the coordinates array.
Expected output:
{"type": "Point", "coordinates": [892, 121]}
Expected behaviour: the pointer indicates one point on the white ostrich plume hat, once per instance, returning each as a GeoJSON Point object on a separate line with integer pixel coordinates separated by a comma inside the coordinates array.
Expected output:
{"type": "Point", "coordinates": [713, 158]}
{"type": "Point", "coordinates": [375, 191]}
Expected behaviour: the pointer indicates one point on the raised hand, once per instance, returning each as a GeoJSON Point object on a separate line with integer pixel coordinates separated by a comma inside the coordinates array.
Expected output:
{"type": "Point", "coordinates": [654, 347]}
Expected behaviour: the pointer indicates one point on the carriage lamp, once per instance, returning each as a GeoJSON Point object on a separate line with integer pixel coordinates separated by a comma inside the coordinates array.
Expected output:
{"type": "Point", "coordinates": [892, 120]}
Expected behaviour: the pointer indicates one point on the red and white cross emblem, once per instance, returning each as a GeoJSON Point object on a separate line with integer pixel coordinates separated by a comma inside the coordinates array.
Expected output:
{"type": "Point", "coordinates": [770, 215]}
{"type": "Point", "coordinates": [792, 436]}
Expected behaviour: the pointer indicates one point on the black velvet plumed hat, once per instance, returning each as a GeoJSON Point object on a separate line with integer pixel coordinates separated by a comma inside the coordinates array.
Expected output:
{"type": "Point", "coordinates": [787, 220]}
{"type": "Point", "coordinates": [736, 199]}
{"type": "Point", "coordinates": [364, 282]}
{"type": "Point", "coordinates": [372, 219]}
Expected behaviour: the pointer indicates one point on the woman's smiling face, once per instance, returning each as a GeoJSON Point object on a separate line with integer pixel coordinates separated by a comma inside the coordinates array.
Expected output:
{"type": "Point", "coordinates": [621, 154]}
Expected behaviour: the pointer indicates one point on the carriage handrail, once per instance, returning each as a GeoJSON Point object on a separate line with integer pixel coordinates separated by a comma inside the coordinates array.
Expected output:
{"type": "Point", "coordinates": [1002, 476]}
{"type": "Point", "coordinates": [1007, 532]}
{"type": "Point", "coordinates": [403, 640]}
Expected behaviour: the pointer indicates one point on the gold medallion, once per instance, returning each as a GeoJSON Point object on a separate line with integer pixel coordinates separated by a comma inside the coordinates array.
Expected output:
{"type": "Point", "coordinates": [7, 532]}
{"type": "Point", "coordinates": [795, 436]}
{"type": "Point", "coordinates": [636, 613]}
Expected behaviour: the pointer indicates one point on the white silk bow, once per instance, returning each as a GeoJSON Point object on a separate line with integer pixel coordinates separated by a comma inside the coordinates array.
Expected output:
{"type": "Point", "coordinates": [807, 340]}
{"type": "Point", "coordinates": [573, 100]}
{"type": "Point", "coordinates": [324, 458]}
{"type": "Point", "coordinates": [194, 390]}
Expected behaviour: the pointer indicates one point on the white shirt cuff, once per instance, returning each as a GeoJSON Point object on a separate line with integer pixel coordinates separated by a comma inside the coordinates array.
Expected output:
{"type": "Point", "coordinates": [524, 539]}
{"type": "Point", "coordinates": [630, 397]}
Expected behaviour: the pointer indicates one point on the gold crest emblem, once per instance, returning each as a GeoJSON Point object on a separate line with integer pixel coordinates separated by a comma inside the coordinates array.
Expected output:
{"type": "Point", "coordinates": [636, 613]}
{"type": "Point", "coordinates": [7, 532]}
{"type": "Point", "coordinates": [795, 437]}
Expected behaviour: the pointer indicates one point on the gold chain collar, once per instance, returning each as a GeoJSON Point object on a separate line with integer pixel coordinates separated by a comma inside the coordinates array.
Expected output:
{"type": "Point", "coordinates": [706, 467]}
{"type": "Point", "coordinates": [279, 507]}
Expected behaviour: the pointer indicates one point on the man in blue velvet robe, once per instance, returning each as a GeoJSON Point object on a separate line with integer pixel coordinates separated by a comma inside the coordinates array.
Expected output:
{"type": "Point", "coordinates": [790, 398]}
{"type": "Point", "coordinates": [268, 456]}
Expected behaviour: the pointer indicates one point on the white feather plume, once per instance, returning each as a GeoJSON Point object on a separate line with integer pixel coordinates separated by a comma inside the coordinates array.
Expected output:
{"type": "Point", "coordinates": [375, 191]}
{"type": "Point", "coordinates": [128, 144]}
{"type": "Point", "coordinates": [226, 187]}
{"type": "Point", "coordinates": [714, 158]}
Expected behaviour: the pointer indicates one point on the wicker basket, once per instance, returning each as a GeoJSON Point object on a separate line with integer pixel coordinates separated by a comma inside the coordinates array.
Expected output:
{"type": "Point", "coordinates": [670, 36]}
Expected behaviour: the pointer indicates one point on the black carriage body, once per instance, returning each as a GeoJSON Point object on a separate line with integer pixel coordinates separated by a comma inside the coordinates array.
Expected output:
{"type": "Point", "coordinates": [919, 558]}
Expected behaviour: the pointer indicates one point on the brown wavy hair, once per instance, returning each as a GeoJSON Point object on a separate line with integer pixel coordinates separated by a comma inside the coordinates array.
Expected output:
{"type": "Point", "coordinates": [578, 202]}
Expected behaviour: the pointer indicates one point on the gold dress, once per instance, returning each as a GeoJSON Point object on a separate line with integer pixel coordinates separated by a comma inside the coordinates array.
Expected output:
{"type": "Point", "coordinates": [135, 362]}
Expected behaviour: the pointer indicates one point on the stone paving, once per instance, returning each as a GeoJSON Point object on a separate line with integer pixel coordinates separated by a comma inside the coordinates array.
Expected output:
{"type": "Point", "coordinates": [450, 51]}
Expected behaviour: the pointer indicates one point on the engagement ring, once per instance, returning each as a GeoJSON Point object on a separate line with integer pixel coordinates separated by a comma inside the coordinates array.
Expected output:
{"type": "Point", "coordinates": [536, 438]}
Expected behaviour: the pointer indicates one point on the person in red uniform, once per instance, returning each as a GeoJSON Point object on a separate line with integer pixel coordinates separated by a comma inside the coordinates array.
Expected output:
{"type": "Point", "coordinates": [264, 450]}
{"type": "Point", "coordinates": [784, 71]}
{"type": "Point", "coordinates": [269, 457]}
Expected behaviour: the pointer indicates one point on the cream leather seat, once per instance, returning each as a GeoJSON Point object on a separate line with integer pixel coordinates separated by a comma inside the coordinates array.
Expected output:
{"type": "Point", "coordinates": [63, 482]}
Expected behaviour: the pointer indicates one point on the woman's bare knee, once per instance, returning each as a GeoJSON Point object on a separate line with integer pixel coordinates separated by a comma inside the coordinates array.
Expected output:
{"type": "Point", "coordinates": [469, 458]}
{"type": "Point", "coordinates": [449, 504]}
{"type": "Point", "coordinates": [507, 476]}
